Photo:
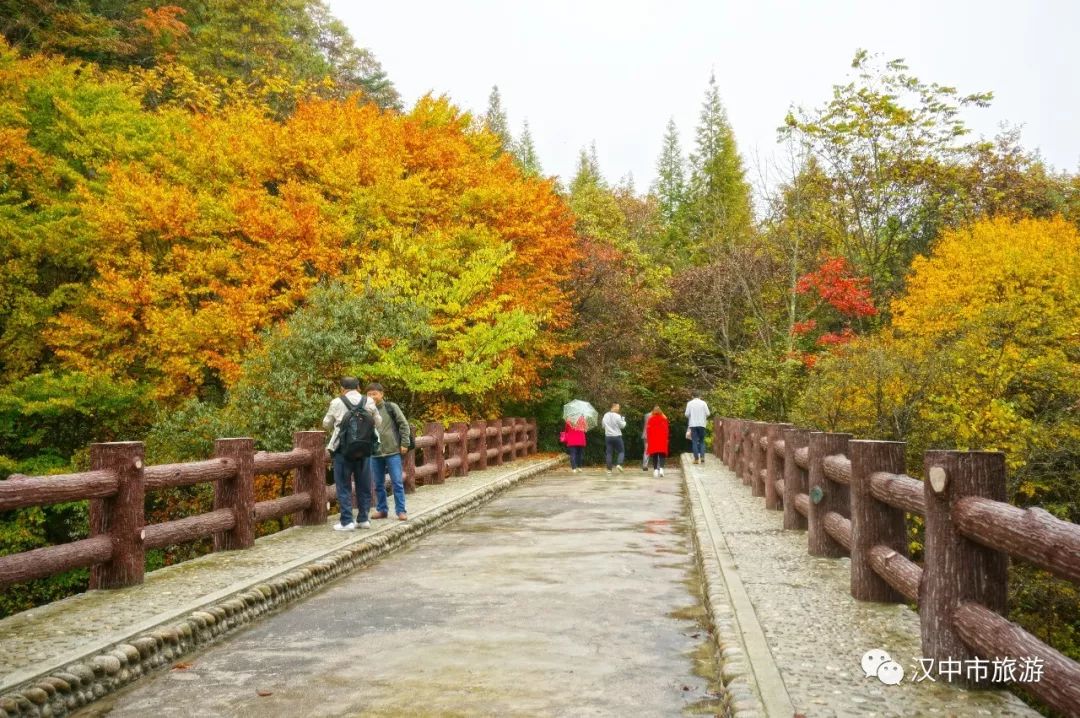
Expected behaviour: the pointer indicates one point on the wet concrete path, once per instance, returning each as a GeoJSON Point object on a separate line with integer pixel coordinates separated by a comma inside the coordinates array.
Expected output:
{"type": "Point", "coordinates": [569, 595]}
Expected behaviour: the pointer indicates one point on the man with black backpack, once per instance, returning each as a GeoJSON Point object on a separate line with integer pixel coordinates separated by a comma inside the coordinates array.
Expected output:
{"type": "Point", "coordinates": [355, 421]}
{"type": "Point", "coordinates": [395, 439]}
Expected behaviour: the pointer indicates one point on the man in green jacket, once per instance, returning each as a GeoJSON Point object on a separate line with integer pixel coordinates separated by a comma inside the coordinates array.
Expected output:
{"type": "Point", "coordinates": [394, 435]}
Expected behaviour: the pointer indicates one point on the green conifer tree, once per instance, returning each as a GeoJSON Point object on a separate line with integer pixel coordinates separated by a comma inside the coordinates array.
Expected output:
{"type": "Point", "coordinates": [719, 210]}
{"type": "Point", "coordinates": [495, 119]}
{"type": "Point", "coordinates": [670, 185]}
{"type": "Point", "coordinates": [525, 152]}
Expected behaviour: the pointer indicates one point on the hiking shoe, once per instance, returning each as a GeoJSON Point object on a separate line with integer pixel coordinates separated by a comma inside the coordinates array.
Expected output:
{"type": "Point", "coordinates": [364, 525]}
{"type": "Point", "coordinates": [402, 516]}
{"type": "Point", "coordinates": [347, 527]}
{"type": "Point", "coordinates": [619, 468]}
{"type": "Point", "coordinates": [656, 473]}
{"type": "Point", "coordinates": [661, 473]}
{"type": "Point", "coordinates": [379, 515]}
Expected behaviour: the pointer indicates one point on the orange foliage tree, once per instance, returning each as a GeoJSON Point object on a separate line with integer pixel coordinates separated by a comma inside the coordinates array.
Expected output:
{"type": "Point", "coordinates": [224, 232]}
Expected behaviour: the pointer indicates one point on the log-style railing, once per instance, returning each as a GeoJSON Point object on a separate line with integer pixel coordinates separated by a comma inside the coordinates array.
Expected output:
{"type": "Point", "coordinates": [117, 482]}
{"type": "Point", "coordinates": [852, 497]}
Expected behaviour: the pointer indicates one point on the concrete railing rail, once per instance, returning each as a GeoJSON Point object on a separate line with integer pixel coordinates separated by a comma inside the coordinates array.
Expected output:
{"type": "Point", "coordinates": [852, 497]}
{"type": "Point", "coordinates": [117, 483]}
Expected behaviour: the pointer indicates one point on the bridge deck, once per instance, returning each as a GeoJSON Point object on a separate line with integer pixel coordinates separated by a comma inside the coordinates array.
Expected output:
{"type": "Point", "coordinates": [568, 595]}
{"type": "Point", "coordinates": [814, 632]}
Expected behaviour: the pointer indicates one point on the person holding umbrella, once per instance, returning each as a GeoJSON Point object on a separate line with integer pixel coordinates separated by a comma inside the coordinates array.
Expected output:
{"type": "Point", "coordinates": [580, 416]}
{"type": "Point", "coordinates": [656, 438]}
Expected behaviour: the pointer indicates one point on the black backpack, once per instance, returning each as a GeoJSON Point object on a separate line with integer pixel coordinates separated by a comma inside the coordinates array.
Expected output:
{"type": "Point", "coordinates": [356, 432]}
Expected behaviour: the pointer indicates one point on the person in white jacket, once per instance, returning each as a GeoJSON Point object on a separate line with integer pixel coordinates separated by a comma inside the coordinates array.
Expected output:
{"type": "Point", "coordinates": [697, 413]}
{"type": "Point", "coordinates": [613, 424]}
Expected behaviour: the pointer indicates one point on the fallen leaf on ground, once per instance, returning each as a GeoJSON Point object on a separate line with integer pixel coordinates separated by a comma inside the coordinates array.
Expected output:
{"type": "Point", "coordinates": [264, 693]}
{"type": "Point", "coordinates": [181, 666]}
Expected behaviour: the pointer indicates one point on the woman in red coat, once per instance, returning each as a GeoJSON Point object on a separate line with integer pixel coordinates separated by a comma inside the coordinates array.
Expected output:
{"type": "Point", "coordinates": [574, 438]}
{"type": "Point", "coordinates": [656, 438]}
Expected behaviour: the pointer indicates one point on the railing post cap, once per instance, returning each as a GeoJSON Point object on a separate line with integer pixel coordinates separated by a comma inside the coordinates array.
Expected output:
{"type": "Point", "coordinates": [939, 478]}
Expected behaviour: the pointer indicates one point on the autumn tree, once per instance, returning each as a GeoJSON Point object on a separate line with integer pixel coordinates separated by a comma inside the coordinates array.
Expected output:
{"type": "Point", "coordinates": [229, 237]}
{"type": "Point", "coordinates": [886, 137]}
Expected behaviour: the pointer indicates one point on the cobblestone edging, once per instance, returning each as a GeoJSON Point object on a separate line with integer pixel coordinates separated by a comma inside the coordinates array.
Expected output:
{"type": "Point", "coordinates": [740, 699]}
{"type": "Point", "coordinates": [93, 677]}
{"type": "Point", "coordinates": [753, 683]}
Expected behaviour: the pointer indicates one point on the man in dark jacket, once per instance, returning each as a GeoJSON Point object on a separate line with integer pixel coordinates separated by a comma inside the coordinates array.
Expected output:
{"type": "Point", "coordinates": [394, 435]}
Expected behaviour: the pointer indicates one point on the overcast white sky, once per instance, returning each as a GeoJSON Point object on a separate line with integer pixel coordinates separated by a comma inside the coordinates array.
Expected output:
{"type": "Point", "coordinates": [614, 72]}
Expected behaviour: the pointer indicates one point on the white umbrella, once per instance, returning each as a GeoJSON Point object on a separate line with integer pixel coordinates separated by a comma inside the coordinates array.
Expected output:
{"type": "Point", "coordinates": [577, 410]}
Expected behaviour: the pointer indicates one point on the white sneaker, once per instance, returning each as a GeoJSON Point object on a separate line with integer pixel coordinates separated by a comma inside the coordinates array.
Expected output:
{"type": "Point", "coordinates": [661, 473]}
{"type": "Point", "coordinates": [619, 468]}
{"type": "Point", "coordinates": [364, 525]}
{"type": "Point", "coordinates": [347, 527]}
{"type": "Point", "coordinates": [656, 473]}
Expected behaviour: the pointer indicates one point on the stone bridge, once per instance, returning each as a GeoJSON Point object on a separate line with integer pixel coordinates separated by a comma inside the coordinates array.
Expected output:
{"type": "Point", "coordinates": [515, 588]}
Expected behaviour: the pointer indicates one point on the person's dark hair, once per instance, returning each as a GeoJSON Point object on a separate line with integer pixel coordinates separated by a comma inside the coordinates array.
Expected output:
{"type": "Point", "coordinates": [374, 386]}
{"type": "Point", "coordinates": [350, 383]}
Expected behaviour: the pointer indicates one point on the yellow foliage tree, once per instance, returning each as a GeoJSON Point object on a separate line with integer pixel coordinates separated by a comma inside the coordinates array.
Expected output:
{"type": "Point", "coordinates": [983, 351]}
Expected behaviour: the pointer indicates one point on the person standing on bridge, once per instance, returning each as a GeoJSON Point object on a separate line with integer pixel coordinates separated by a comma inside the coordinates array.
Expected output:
{"type": "Point", "coordinates": [697, 412]}
{"type": "Point", "coordinates": [348, 471]}
{"type": "Point", "coordinates": [613, 424]}
{"type": "Point", "coordinates": [394, 435]}
{"type": "Point", "coordinates": [574, 437]}
{"type": "Point", "coordinates": [656, 437]}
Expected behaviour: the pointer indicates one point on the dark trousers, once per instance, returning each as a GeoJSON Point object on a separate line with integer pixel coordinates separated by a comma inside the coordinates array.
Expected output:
{"type": "Point", "coordinates": [614, 445]}
{"type": "Point", "coordinates": [345, 473]}
{"type": "Point", "coordinates": [577, 456]}
{"type": "Point", "coordinates": [697, 441]}
{"type": "Point", "coordinates": [658, 460]}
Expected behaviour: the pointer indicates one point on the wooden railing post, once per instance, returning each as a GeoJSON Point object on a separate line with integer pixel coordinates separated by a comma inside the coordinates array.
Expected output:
{"type": "Point", "coordinates": [958, 570]}
{"type": "Point", "coordinates": [497, 440]}
{"type": "Point", "coordinates": [435, 430]}
{"type": "Point", "coordinates": [746, 431]}
{"type": "Point", "coordinates": [462, 449]}
{"type": "Point", "coordinates": [408, 471]}
{"type": "Point", "coordinates": [311, 478]}
{"type": "Point", "coordinates": [718, 437]}
{"type": "Point", "coordinates": [825, 495]}
{"type": "Point", "coordinates": [238, 493]}
{"type": "Point", "coordinates": [757, 483]}
{"type": "Point", "coordinates": [873, 522]}
{"type": "Point", "coordinates": [120, 516]}
{"type": "Point", "coordinates": [508, 438]}
{"type": "Point", "coordinates": [774, 466]}
{"type": "Point", "coordinates": [534, 438]}
{"type": "Point", "coordinates": [481, 443]}
{"type": "Point", "coordinates": [794, 477]}
{"type": "Point", "coordinates": [730, 442]}
{"type": "Point", "coordinates": [521, 445]}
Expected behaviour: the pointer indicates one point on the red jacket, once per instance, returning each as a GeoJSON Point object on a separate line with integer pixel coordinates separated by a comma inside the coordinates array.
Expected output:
{"type": "Point", "coordinates": [656, 434]}
{"type": "Point", "coordinates": [574, 436]}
